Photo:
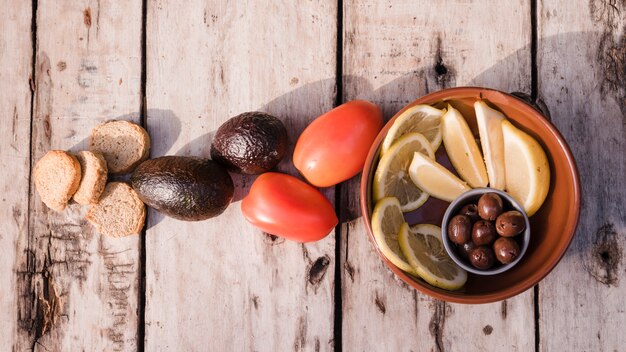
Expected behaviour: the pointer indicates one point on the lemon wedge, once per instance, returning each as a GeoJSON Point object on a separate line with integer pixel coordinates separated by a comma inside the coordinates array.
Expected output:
{"type": "Point", "coordinates": [527, 168]}
{"type": "Point", "coordinates": [423, 119]}
{"type": "Point", "coordinates": [435, 179]}
{"type": "Point", "coordinates": [462, 148]}
{"type": "Point", "coordinates": [392, 179]}
{"type": "Point", "coordinates": [387, 220]}
{"type": "Point", "coordinates": [490, 131]}
{"type": "Point", "coordinates": [423, 247]}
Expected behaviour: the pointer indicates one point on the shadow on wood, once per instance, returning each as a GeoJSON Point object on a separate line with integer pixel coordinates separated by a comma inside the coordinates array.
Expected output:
{"type": "Point", "coordinates": [394, 95]}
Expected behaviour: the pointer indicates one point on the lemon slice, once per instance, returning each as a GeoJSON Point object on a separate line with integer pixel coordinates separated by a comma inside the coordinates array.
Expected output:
{"type": "Point", "coordinates": [423, 119]}
{"type": "Point", "coordinates": [435, 179]}
{"type": "Point", "coordinates": [527, 168]}
{"type": "Point", "coordinates": [387, 220]}
{"type": "Point", "coordinates": [392, 179]}
{"type": "Point", "coordinates": [423, 248]}
{"type": "Point", "coordinates": [490, 131]}
{"type": "Point", "coordinates": [462, 148]}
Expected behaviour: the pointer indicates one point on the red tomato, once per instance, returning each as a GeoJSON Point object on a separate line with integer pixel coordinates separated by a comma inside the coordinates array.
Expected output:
{"type": "Point", "coordinates": [333, 148]}
{"type": "Point", "coordinates": [285, 206]}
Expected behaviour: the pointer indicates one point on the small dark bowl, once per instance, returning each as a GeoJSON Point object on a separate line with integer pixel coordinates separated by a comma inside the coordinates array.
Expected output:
{"type": "Point", "coordinates": [472, 196]}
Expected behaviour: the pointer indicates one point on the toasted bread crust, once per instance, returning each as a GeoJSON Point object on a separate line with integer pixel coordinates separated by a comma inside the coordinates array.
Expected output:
{"type": "Point", "coordinates": [57, 177]}
{"type": "Point", "coordinates": [123, 144]}
{"type": "Point", "coordinates": [119, 213]}
{"type": "Point", "coordinates": [93, 177]}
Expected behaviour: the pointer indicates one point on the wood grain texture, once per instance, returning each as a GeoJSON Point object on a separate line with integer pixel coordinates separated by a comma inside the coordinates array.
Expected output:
{"type": "Point", "coordinates": [582, 78]}
{"type": "Point", "coordinates": [221, 283]}
{"type": "Point", "coordinates": [15, 71]}
{"type": "Point", "coordinates": [76, 289]}
{"type": "Point", "coordinates": [395, 52]}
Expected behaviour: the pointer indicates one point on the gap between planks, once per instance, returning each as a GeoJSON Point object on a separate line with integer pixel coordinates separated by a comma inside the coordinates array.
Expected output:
{"type": "Point", "coordinates": [338, 306]}
{"type": "Point", "coordinates": [143, 117]}
{"type": "Point", "coordinates": [32, 82]}
{"type": "Point", "coordinates": [534, 90]}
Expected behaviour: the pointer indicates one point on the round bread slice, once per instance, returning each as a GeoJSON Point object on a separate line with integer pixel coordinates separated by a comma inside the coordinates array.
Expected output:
{"type": "Point", "coordinates": [123, 144]}
{"type": "Point", "coordinates": [119, 213]}
{"type": "Point", "coordinates": [57, 176]}
{"type": "Point", "coordinates": [93, 169]}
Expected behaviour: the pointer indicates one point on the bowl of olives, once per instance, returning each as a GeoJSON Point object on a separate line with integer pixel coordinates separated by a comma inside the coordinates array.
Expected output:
{"type": "Point", "coordinates": [485, 231]}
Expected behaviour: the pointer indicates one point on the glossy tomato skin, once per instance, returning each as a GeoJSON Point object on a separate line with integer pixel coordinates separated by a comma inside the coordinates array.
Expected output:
{"type": "Point", "coordinates": [285, 206]}
{"type": "Point", "coordinates": [333, 148]}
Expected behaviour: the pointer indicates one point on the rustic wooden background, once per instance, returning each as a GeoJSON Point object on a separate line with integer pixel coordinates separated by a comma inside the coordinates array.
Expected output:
{"type": "Point", "coordinates": [181, 69]}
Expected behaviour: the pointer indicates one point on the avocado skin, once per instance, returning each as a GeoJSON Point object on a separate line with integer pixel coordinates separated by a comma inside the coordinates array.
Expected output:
{"type": "Point", "coordinates": [182, 187]}
{"type": "Point", "coordinates": [250, 143]}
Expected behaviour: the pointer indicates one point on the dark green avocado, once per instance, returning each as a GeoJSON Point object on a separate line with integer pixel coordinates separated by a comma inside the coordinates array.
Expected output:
{"type": "Point", "coordinates": [185, 188]}
{"type": "Point", "coordinates": [250, 143]}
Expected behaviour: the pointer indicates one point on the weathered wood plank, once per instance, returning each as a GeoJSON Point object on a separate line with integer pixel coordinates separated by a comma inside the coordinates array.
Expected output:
{"type": "Point", "coordinates": [16, 53]}
{"type": "Point", "coordinates": [220, 282]}
{"type": "Point", "coordinates": [394, 52]}
{"type": "Point", "coordinates": [76, 289]}
{"type": "Point", "coordinates": [582, 78]}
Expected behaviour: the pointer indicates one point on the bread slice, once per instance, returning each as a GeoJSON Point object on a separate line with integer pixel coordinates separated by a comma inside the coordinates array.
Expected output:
{"type": "Point", "coordinates": [123, 144]}
{"type": "Point", "coordinates": [57, 176]}
{"type": "Point", "coordinates": [93, 169]}
{"type": "Point", "coordinates": [119, 213]}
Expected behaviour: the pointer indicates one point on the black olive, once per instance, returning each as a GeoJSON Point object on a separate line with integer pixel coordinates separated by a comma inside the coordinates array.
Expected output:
{"type": "Point", "coordinates": [464, 249]}
{"type": "Point", "coordinates": [460, 229]}
{"type": "Point", "coordinates": [490, 206]}
{"type": "Point", "coordinates": [506, 249]}
{"type": "Point", "coordinates": [482, 257]}
{"type": "Point", "coordinates": [483, 233]}
{"type": "Point", "coordinates": [470, 210]}
{"type": "Point", "coordinates": [510, 223]}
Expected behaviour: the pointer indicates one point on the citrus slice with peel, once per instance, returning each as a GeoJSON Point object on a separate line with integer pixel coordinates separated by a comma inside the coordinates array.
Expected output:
{"type": "Point", "coordinates": [423, 247]}
{"type": "Point", "coordinates": [392, 179]}
{"type": "Point", "coordinates": [422, 119]}
{"type": "Point", "coordinates": [387, 220]}
{"type": "Point", "coordinates": [490, 130]}
{"type": "Point", "coordinates": [462, 148]}
{"type": "Point", "coordinates": [527, 168]}
{"type": "Point", "coordinates": [435, 179]}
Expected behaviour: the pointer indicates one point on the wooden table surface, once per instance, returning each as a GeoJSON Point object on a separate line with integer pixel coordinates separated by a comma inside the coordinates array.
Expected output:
{"type": "Point", "coordinates": [181, 70]}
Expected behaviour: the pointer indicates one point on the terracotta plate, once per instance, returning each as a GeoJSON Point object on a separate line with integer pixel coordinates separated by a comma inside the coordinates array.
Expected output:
{"type": "Point", "coordinates": [552, 227]}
